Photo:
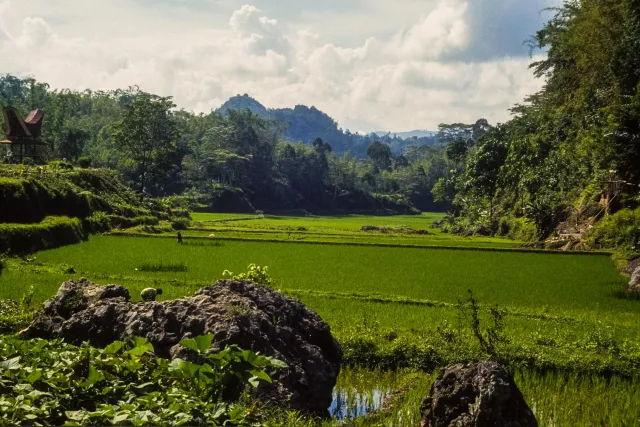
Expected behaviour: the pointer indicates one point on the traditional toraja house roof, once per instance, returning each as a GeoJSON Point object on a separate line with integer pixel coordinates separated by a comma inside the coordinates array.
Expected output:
{"type": "Point", "coordinates": [22, 132]}
{"type": "Point", "coordinates": [23, 136]}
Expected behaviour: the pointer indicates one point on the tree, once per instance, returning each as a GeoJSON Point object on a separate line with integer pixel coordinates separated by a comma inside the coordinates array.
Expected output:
{"type": "Point", "coordinates": [483, 166]}
{"type": "Point", "coordinates": [72, 143]}
{"type": "Point", "coordinates": [400, 162]}
{"type": "Point", "coordinates": [380, 154]}
{"type": "Point", "coordinates": [146, 134]}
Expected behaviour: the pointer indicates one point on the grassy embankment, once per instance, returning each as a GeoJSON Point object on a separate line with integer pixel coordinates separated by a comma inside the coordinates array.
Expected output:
{"type": "Point", "coordinates": [49, 206]}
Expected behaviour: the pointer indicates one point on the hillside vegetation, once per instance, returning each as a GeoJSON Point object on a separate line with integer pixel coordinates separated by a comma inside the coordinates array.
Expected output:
{"type": "Point", "coordinates": [53, 205]}
{"type": "Point", "coordinates": [305, 124]}
{"type": "Point", "coordinates": [574, 141]}
{"type": "Point", "coordinates": [239, 161]}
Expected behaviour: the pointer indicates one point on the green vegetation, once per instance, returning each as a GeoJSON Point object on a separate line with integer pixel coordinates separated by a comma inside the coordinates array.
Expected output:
{"type": "Point", "coordinates": [398, 294]}
{"type": "Point", "coordinates": [397, 230]}
{"type": "Point", "coordinates": [50, 233]}
{"type": "Point", "coordinates": [567, 145]}
{"type": "Point", "coordinates": [160, 267]}
{"type": "Point", "coordinates": [561, 310]}
{"type": "Point", "coordinates": [235, 160]}
{"type": "Point", "coordinates": [550, 280]}
{"type": "Point", "coordinates": [621, 230]}
{"type": "Point", "coordinates": [50, 206]}
{"type": "Point", "coordinates": [391, 307]}
{"type": "Point", "coordinates": [51, 383]}
{"type": "Point", "coordinates": [34, 192]}
{"type": "Point", "coordinates": [561, 399]}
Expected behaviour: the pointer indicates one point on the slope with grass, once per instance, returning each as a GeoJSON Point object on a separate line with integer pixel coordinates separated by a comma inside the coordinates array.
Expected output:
{"type": "Point", "coordinates": [57, 204]}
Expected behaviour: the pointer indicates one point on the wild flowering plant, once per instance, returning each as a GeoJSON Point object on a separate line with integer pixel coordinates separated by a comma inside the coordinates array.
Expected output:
{"type": "Point", "coordinates": [255, 274]}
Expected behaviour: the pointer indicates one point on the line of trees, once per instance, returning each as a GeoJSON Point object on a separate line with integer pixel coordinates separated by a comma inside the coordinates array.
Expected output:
{"type": "Point", "coordinates": [551, 162]}
{"type": "Point", "coordinates": [161, 150]}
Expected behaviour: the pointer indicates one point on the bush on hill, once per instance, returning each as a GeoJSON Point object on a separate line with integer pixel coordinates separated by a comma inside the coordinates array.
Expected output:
{"type": "Point", "coordinates": [54, 205]}
{"type": "Point", "coordinates": [52, 232]}
{"type": "Point", "coordinates": [620, 231]}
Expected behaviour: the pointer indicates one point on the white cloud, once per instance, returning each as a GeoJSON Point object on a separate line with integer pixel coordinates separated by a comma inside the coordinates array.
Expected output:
{"type": "Point", "coordinates": [414, 78]}
{"type": "Point", "coordinates": [35, 33]}
{"type": "Point", "coordinates": [442, 31]}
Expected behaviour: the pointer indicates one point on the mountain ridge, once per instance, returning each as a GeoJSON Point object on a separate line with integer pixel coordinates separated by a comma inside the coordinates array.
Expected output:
{"type": "Point", "coordinates": [305, 124]}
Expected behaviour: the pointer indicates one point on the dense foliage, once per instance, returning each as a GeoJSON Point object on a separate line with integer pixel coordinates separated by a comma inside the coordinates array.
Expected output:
{"type": "Point", "coordinates": [234, 160]}
{"type": "Point", "coordinates": [52, 383]}
{"type": "Point", "coordinates": [575, 140]}
{"type": "Point", "coordinates": [53, 205]}
{"type": "Point", "coordinates": [568, 142]}
{"type": "Point", "coordinates": [305, 124]}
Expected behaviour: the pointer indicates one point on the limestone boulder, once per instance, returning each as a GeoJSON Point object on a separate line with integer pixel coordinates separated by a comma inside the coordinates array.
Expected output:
{"type": "Point", "coordinates": [476, 395]}
{"type": "Point", "coordinates": [236, 312]}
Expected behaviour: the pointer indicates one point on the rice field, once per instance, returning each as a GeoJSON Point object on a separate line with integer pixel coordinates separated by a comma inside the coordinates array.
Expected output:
{"type": "Point", "coordinates": [534, 280]}
{"type": "Point", "coordinates": [393, 230]}
{"type": "Point", "coordinates": [556, 399]}
{"type": "Point", "coordinates": [562, 310]}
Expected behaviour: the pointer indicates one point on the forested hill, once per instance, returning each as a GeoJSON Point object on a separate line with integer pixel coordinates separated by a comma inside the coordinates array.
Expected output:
{"type": "Point", "coordinates": [305, 124]}
{"type": "Point", "coordinates": [239, 161]}
{"type": "Point", "coordinates": [571, 153]}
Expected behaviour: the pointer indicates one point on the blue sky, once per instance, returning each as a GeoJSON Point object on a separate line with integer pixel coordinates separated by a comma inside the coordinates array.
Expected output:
{"type": "Point", "coordinates": [371, 64]}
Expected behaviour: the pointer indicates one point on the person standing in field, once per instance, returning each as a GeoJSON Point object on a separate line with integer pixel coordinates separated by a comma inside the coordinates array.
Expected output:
{"type": "Point", "coordinates": [179, 237]}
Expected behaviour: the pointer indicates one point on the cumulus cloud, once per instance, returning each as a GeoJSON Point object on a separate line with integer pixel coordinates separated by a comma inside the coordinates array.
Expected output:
{"type": "Point", "coordinates": [442, 31]}
{"type": "Point", "coordinates": [35, 32]}
{"type": "Point", "coordinates": [415, 77]}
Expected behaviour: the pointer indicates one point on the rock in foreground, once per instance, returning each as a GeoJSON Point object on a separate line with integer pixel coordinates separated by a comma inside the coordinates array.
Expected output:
{"type": "Point", "coordinates": [478, 395]}
{"type": "Point", "coordinates": [236, 312]}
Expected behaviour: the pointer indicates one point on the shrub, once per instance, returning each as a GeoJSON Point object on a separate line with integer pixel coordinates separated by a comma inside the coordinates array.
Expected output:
{"type": "Point", "coordinates": [618, 231]}
{"type": "Point", "coordinates": [180, 224]}
{"type": "Point", "coordinates": [255, 274]}
{"type": "Point", "coordinates": [53, 383]}
{"type": "Point", "coordinates": [61, 165]}
{"type": "Point", "coordinates": [517, 229]}
{"type": "Point", "coordinates": [118, 221]}
{"type": "Point", "coordinates": [99, 222]}
{"type": "Point", "coordinates": [180, 213]}
{"type": "Point", "coordinates": [84, 162]}
{"type": "Point", "coordinates": [16, 315]}
{"type": "Point", "coordinates": [52, 232]}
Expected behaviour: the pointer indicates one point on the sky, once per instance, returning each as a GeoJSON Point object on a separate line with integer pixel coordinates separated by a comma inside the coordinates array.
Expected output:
{"type": "Point", "coordinates": [372, 65]}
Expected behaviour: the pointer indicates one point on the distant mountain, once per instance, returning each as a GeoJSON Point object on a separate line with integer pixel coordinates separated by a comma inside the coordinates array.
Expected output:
{"type": "Point", "coordinates": [410, 134]}
{"type": "Point", "coordinates": [305, 124]}
{"type": "Point", "coordinates": [242, 103]}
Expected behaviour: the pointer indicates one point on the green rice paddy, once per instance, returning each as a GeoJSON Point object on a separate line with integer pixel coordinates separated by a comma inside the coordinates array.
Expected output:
{"type": "Point", "coordinates": [395, 230]}
{"type": "Point", "coordinates": [562, 310]}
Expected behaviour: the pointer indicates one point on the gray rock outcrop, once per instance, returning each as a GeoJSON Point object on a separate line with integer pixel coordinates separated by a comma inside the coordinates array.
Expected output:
{"type": "Point", "coordinates": [632, 266]}
{"type": "Point", "coordinates": [478, 395]}
{"type": "Point", "coordinates": [634, 283]}
{"type": "Point", "coordinates": [236, 312]}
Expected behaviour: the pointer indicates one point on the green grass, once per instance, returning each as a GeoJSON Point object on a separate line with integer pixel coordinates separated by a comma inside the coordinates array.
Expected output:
{"type": "Point", "coordinates": [199, 216]}
{"type": "Point", "coordinates": [407, 289]}
{"type": "Point", "coordinates": [557, 399]}
{"type": "Point", "coordinates": [336, 229]}
{"type": "Point", "coordinates": [508, 279]}
{"type": "Point", "coordinates": [396, 306]}
{"type": "Point", "coordinates": [580, 400]}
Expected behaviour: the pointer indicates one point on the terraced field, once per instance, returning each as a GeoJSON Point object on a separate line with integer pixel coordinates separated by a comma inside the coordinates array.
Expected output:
{"type": "Point", "coordinates": [391, 230]}
{"type": "Point", "coordinates": [393, 306]}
